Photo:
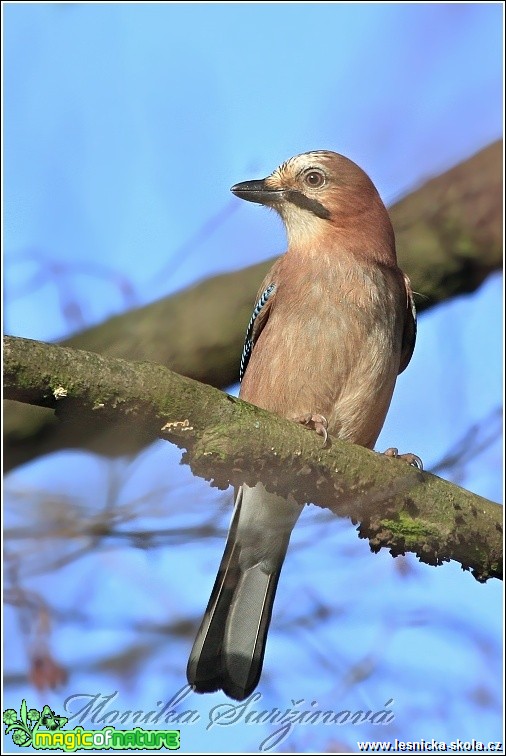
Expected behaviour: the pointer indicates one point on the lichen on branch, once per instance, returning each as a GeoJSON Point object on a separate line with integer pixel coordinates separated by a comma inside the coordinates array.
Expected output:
{"type": "Point", "coordinates": [229, 442]}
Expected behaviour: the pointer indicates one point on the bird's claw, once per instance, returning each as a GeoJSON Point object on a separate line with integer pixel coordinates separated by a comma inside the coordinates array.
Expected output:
{"type": "Point", "coordinates": [411, 459]}
{"type": "Point", "coordinates": [317, 422]}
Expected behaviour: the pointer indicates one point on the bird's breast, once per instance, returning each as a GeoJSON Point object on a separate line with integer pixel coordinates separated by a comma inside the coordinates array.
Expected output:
{"type": "Point", "coordinates": [331, 350]}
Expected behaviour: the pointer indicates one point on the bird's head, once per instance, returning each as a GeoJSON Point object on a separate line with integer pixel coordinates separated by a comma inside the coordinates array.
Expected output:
{"type": "Point", "coordinates": [319, 194]}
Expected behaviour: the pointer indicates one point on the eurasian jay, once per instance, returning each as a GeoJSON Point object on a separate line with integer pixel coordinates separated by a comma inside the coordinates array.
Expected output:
{"type": "Point", "coordinates": [333, 326]}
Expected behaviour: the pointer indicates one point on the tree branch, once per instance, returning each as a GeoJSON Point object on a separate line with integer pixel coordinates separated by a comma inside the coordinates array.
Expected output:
{"type": "Point", "coordinates": [228, 441]}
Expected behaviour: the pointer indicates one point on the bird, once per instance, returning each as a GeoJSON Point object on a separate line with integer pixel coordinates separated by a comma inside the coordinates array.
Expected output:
{"type": "Point", "coordinates": [333, 325]}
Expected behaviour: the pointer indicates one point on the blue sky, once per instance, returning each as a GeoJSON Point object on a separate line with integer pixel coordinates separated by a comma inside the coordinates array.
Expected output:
{"type": "Point", "coordinates": [124, 127]}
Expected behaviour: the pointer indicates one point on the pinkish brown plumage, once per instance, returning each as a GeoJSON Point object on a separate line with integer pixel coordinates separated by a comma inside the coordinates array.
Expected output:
{"type": "Point", "coordinates": [333, 326]}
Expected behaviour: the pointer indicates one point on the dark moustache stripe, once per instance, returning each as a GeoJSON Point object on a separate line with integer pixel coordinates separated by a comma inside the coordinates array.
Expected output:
{"type": "Point", "coordinates": [299, 199]}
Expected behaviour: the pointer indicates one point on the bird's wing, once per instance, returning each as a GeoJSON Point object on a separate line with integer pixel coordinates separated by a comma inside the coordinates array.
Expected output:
{"type": "Point", "coordinates": [409, 332]}
{"type": "Point", "coordinates": [257, 322]}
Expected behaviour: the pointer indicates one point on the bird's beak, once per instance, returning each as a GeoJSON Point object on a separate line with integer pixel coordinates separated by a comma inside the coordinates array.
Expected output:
{"type": "Point", "coordinates": [257, 191]}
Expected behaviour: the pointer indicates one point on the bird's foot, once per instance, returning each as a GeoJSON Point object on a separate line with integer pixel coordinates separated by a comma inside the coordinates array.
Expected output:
{"type": "Point", "coordinates": [411, 459]}
{"type": "Point", "coordinates": [317, 423]}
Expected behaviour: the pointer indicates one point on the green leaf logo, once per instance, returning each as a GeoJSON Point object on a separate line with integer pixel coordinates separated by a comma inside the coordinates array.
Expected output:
{"type": "Point", "coordinates": [23, 727]}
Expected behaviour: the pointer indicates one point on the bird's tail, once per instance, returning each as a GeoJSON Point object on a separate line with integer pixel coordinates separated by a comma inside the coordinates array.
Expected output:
{"type": "Point", "coordinates": [229, 648]}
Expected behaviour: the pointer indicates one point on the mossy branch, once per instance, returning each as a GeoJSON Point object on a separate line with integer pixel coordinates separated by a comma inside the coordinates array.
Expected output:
{"type": "Point", "coordinates": [228, 441]}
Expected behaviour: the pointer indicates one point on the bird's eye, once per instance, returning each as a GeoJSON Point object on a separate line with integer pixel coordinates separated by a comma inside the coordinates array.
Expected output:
{"type": "Point", "coordinates": [314, 179]}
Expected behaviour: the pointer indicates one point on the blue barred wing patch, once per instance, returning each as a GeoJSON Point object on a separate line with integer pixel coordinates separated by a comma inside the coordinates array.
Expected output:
{"type": "Point", "coordinates": [249, 341]}
{"type": "Point", "coordinates": [413, 312]}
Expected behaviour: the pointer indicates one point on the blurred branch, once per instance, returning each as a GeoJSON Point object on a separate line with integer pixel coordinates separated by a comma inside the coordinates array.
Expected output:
{"type": "Point", "coordinates": [449, 239]}
{"type": "Point", "coordinates": [228, 441]}
{"type": "Point", "coordinates": [476, 440]}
